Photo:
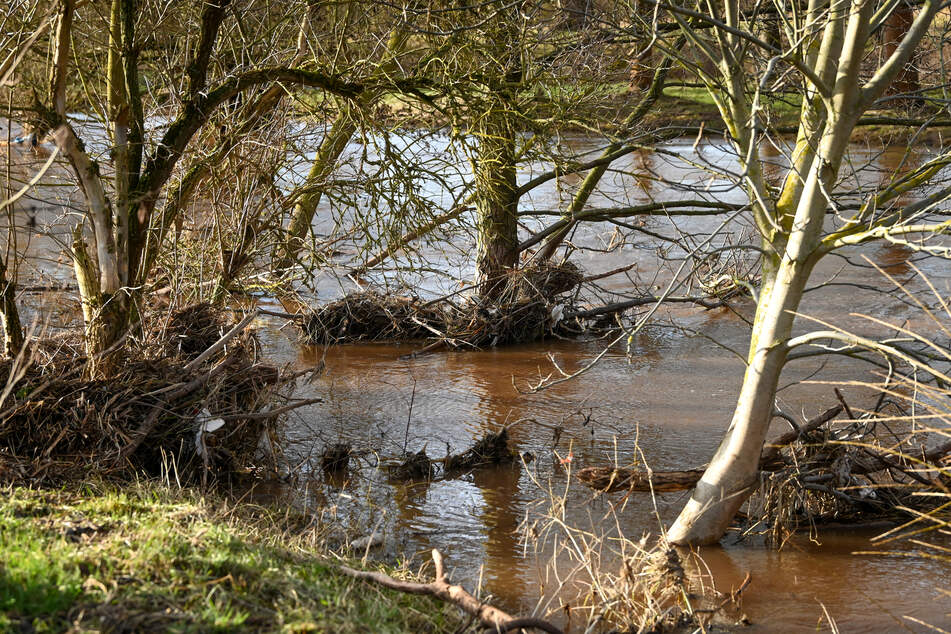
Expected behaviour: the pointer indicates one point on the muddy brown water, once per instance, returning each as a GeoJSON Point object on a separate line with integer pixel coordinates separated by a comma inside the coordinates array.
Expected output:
{"type": "Point", "coordinates": [672, 399]}
{"type": "Point", "coordinates": [664, 397]}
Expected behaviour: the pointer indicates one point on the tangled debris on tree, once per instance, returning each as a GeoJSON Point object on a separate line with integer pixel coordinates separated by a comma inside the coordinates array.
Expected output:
{"type": "Point", "coordinates": [370, 316]}
{"type": "Point", "coordinates": [150, 412]}
{"type": "Point", "coordinates": [846, 474]}
{"type": "Point", "coordinates": [188, 332]}
{"type": "Point", "coordinates": [521, 312]}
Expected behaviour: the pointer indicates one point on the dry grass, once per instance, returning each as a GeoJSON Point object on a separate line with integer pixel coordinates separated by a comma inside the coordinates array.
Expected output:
{"type": "Point", "coordinates": [618, 583]}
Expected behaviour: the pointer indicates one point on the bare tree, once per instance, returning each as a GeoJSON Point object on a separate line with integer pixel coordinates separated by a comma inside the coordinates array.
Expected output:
{"type": "Point", "coordinates": [827, 51]}
{"type": "Point", "coordinates": [113, 260]}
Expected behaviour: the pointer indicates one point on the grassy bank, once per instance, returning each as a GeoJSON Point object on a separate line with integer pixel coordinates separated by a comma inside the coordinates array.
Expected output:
{"type": "Point", "coordinates": [145, 558]}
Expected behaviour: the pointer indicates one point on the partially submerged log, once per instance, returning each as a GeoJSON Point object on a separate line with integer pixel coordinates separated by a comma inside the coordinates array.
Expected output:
{"type": "Point", "coordinates": [609, 479]}
{"type": "Point", "coordinates": [336, 458]}
{"type": "Point", "coordinates": [414, 466]}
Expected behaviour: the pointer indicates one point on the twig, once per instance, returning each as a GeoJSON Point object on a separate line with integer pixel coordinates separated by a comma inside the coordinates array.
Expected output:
{"type": "Point", "coordinates": [218, 345]}
{"type": "Point", "coordinates": [848, 410]}
{"type": "Point", "coordinates": [489, 616]}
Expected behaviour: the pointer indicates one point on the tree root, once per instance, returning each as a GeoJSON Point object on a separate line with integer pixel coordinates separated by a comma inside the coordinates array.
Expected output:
{"type": "Point", "coordinates": [489, 616]}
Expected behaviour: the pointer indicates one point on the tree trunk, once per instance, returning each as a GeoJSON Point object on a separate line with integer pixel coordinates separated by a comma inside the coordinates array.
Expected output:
{"type": "Point", "coordinates": [10, 316]}
{"type": "Point", "coordinates": [734, 469]}
{"type": "Point", "coordinates": [642, 71]}
{"type": "Point", "coordinates": [896, 27]}
{"type": "Point", "coordinates": [324, 164]}
{"type": "Point", "coordinates": [331, 147]}
{"type": "Point", "coordinates": [496, 203]}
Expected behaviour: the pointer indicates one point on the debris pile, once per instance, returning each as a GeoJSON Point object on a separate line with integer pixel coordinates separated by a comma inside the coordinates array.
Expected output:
{"type": "Point", "coordinates": [146, 415]}
{"type": "Point", "coordinates": [524, 309]}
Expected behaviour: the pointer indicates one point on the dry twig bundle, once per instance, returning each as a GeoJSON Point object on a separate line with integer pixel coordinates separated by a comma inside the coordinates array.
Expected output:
{"type": "Point", "coordinates": [521, 312]}
{"type": "Point", "coordinates": [151, 410]}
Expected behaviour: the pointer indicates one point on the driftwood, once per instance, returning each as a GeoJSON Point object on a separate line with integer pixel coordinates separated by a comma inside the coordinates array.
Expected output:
{"type": "Point", "coordinates": [413, 466]}
{"type": "Point", "coordinates": [608, 479]}
{"type": "Point", "coordinates": [336, 458]}
{"type": "Point", "coordinates": [490, 617]}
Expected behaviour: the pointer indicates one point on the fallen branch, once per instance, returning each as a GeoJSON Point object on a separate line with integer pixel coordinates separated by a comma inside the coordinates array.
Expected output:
{"type": "Point", "coordinates": [772, 452]}
{"type": "Point", "coordinates": [704, 301]}
{"type": "Point", "coordinates": [271, 413]}
{"type": "Point", "coordinates": [489, 616]}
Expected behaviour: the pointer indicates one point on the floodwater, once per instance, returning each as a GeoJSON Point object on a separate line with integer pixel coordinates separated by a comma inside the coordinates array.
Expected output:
{"type": "Point", "coordinates": [663, 398]}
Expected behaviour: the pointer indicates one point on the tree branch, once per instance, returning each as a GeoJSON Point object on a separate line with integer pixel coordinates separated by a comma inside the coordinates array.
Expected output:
{"type": "Point", "coordinates": [490, 617]}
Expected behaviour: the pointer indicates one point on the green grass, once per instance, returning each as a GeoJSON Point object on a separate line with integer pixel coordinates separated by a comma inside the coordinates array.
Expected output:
{"type": "Point", "coordinates": [150, 559]}
{"type": "Point", "coordinates": [694, 100]}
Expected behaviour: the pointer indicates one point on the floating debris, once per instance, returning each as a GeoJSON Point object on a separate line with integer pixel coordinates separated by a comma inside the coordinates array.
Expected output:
{"type": "Point", "coordinates": [336, 458]}
{"type": "Point", "coordinates": [415, 466]}
{"type": "Point", "coordinates": [491, 449]}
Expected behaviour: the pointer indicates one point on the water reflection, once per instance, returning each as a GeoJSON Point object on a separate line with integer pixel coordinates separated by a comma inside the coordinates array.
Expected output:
{"type": "Point", "coordinates": [666, 401]}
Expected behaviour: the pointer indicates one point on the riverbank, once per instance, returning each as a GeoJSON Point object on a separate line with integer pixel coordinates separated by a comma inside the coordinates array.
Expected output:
{"type": "Point", "coordinates": [685, 110]}
{"type": "Point", "coordinates": [96, 557]}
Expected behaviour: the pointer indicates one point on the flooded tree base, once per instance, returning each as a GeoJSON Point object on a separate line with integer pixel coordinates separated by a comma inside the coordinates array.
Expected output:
{"type": "Point", "coordinates": [158, 412]}
{"type": "Point", "coordinates": [526, 309]}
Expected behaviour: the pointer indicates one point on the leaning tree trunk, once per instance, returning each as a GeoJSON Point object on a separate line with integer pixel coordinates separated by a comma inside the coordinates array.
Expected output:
{"type": "Point", "coordinates": [496, 203]}
{"type": "Point", "coordinates": [324, 164]}
{"type": "Point", "coordinates": [734, 469]}
{"type": "Point", "coordinates": [331, 148]}
{"type": "Point", "coordinates": [728, 479]}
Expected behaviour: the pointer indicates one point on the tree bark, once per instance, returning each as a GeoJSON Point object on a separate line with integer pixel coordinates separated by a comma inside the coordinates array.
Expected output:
{"type": "Point", "coordinates": [9, 314]}
{"type": "Point", "coordinates": [331, 147]}
{"type": "Point", "coordinates": [496, 203]}
{"type": "Point", "coordinates": [796, 238]}
{"type": "Point", "coordinates": [896, 27]}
